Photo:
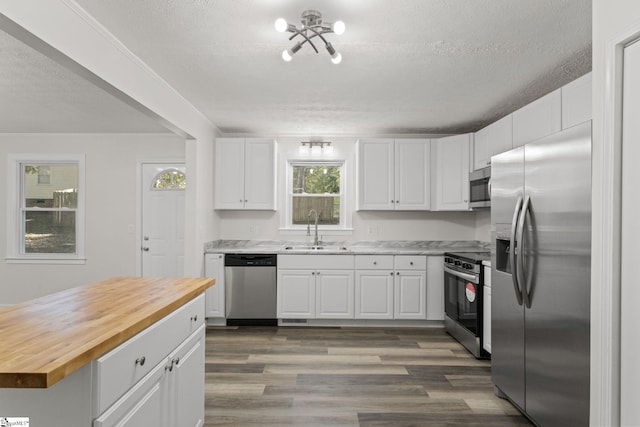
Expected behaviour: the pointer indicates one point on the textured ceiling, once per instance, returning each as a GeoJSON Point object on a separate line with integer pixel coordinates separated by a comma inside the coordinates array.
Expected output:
{"type": "Point", "coordinates": [409, 66]}
{"type": "Point", "coordinates": [38, 96]}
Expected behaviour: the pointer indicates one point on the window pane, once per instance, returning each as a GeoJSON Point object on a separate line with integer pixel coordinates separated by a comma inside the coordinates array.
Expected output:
{"type": "Point", "coordinates": [59, 192]}
{"type": "Point", "coordinates": [328, 209]}
{"type": "Point", "coordinates": [171, 179]}
{"type": "Point", "coordinates": [50, 232]}
{"type": "Point", "coordinates": [316, 179]}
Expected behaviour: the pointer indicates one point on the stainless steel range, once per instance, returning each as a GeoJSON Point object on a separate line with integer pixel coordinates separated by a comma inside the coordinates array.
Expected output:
{"type": "Point", "coordinates": [463, 281]}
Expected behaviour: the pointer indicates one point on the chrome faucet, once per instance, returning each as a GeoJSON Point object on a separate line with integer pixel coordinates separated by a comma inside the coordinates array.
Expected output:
{"type": "Point", "coordinates": [315, 239]}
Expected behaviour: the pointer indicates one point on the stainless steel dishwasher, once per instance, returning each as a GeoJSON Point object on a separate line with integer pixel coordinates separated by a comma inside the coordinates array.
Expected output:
{"type": "Point", "coordinates": [250, 281]}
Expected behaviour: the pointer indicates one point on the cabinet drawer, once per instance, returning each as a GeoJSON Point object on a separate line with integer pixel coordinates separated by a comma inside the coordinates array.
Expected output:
{"type": "Point", "coordinates": [374, 262]}
{"type": "Point", "coordinates": [410, 262]}
{"type": "Point", "coordinates": [312, 261]}
{"type": "Point", "coordinates": [118, 370]}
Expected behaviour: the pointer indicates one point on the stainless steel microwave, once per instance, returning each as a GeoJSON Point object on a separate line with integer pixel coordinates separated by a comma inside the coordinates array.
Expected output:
{"type": "Point", "coordinates": [480, 188]}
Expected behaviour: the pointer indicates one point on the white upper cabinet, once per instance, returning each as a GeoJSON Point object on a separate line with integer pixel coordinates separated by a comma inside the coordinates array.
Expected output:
{"type": "Point", "coordinates": [576, 101]}
{"type": "Point", "coordinates": [491, 140]}
{"type": "Point", "coordinates": [394, 174]}
{"type": "Point", "coordinates": [451, 165]}
{"type": "Point", "coordinates": [376, 179]}
{"type": "Point", "coordinates": [245, 174]}
{"type": "Point", "coordinates": [541, 118]}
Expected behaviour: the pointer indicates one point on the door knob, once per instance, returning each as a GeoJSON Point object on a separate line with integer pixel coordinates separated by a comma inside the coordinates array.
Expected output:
{"type": "Point", "coordinates": [145, 238]}
{"type": "Point", "coordinates": [145, 248]}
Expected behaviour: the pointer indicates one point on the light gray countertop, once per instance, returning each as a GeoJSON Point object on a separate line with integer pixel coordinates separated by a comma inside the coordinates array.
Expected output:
{"type": "Point", "coordinates": [366, 247]}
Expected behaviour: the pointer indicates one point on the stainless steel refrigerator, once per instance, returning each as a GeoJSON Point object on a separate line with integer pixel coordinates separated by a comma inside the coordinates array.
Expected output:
{"type": "Point", "coordinates": [541, 266]}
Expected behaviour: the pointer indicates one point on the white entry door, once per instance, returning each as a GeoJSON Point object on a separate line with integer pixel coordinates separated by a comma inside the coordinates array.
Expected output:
{"type": "Point", "coordinates": [163, 187]}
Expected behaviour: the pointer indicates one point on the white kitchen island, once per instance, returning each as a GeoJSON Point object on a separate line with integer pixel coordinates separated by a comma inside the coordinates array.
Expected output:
{"type": "Point", "coordinates": [127, 351]}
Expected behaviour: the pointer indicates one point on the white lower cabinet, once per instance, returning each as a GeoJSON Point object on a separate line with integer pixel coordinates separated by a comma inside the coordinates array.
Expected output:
{"type": "Point", "coordinates": [171, 391]}
{"type": "Point", "coordinates": [315, 287]}
{"type": "Point", "coordinates": [410, 288]}
{"type": "Point", "coordinates": [215, 303]}
{"type": "Point", "coordinates": [374, 294]}
{"type": "Point", "coordinates": [486, 306]}
{"type": "Point", "coordinates": [334, 294]}
{"type": "Point", "coordinates": [391, 287]}
{"type": "Point", "coordinates": [172, 394]}
{"type": "Point", "coordinates": [296, 294]}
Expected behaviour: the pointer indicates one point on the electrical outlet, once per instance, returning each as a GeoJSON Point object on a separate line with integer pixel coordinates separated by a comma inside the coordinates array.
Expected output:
{"type": "Point", "coordinates": [253, 229]}
{"type": "Point", "coordinates": [372, 230]}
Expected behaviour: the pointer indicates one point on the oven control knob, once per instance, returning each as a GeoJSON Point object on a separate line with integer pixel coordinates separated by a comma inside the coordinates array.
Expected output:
{"type": "Point", "coordinates": [457, 262]}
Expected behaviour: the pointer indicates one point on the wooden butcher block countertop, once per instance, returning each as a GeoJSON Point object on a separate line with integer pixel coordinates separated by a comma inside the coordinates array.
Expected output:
{"type": "Point", "coordinates": [45, 339]}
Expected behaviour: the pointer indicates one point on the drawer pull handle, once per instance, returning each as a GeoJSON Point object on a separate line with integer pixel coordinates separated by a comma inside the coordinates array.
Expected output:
{"type": "Point", "coordinates": [375, 262]}
{"type": "Point", "coordinates": [411, 263]}
{"type": "Point", "coordinates": [194, 318]}
{"type": "Point", "coordinates": [140, 361]}
{"type": "Point", "coordinates": [170, 366]}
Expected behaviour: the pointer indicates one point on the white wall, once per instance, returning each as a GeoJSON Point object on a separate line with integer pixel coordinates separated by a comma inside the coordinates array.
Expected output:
{"type": "Point", "coordinates": [613, 20]}
{"type": "Point", "coordinates": [111, 183]}
{"type": "Point", "coordinates": [387, 225]}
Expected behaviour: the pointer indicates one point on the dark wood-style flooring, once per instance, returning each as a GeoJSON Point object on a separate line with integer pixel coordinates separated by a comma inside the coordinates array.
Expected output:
{"type": "Point", "coordinates": [261, 376]}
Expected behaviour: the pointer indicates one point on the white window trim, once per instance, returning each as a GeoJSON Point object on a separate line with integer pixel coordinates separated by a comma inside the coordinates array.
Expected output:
{"type": "Point", "coordinates": [345, 226]}
{"type": "Point", "coordinates": [14, 227]}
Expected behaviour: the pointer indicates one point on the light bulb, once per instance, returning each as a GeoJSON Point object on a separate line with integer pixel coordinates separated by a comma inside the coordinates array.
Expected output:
{"type": "Point", "coordinates": [338, 27]}
{"type": "Point", "coordinates": [281, 25]}
{"type": "Point", "coordinates": [287, 55]}
{"type": "Point", "coordinates": [336, 58]}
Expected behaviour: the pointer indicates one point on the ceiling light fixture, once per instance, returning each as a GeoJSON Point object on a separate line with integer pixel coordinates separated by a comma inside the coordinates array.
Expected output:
{"type": "Point", "coordinates": [312, 26]}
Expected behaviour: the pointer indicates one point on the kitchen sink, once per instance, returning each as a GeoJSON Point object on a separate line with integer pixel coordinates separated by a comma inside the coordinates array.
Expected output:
{"type": "Point", "coordinates": [319, 248]}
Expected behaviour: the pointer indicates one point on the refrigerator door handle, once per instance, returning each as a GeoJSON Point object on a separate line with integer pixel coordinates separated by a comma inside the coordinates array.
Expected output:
{"type": "Point", "coordinates": [512, 253]}
{"type": "Point", "coordinates": [522, 277]}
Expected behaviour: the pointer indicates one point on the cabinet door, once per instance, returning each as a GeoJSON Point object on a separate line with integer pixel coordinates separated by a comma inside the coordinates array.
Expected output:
{"type": "Point", "coordinates": [187, 382]}
{"type": "Point", "coordinates": [214, 267]}
{"type": "Point", "coordinates": [376, 175]}
{"type": "Point", "coordinates": [576, 101]}
{"type": "Point", "coordinates": [452, 173]}
{"type": "Point", "coordinates": [260, 174]}
{"type": "Point", "coordinates": [410, 295]}
{"type": "Point", "coordinates": [435, 287]}
{"type": "Point", "coordinates": [334, 294]}
{"type": "Point", "coordinates": [482, 148]}
{"type": "Point", "coordinates": [144, 405]}
{"type": "Point", "coordinates": [229, 173]}
{"type": "Point", "coordinates": [296, 294]}
{"type": "Point", "coordinates": [501, 136]}
{"type": "Point", "coordinates": [486, 318]}
{"type": "Point", "coordinates": [374, 294]}
{"type": "Point", "coordinates": [412, 174]}
{"type": "Point", "coordinates": [541, 118]}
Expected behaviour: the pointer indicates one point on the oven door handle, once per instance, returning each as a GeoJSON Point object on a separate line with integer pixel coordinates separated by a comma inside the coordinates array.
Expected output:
{"type": "Point", "coordinates": [465, 276]}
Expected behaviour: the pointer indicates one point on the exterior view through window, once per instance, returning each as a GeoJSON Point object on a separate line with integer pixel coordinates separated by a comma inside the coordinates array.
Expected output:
{"type": "Point", "coordinates": [316, 186]}
{"type": "Point", "coordinates": [49, 206]}
{"type": "Point", "coordinates": [170, 179]}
